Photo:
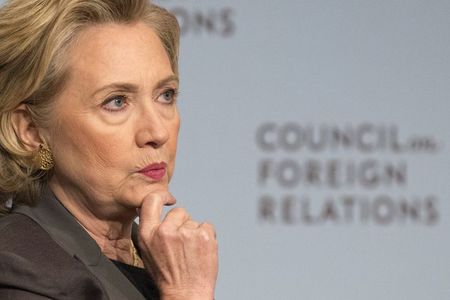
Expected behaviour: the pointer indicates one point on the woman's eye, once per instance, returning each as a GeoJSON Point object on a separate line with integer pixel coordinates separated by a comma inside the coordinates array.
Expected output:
{"type": "Point", "coordinates": [115, 103]}
{"type": "Point", "coordinates": [168, 96]}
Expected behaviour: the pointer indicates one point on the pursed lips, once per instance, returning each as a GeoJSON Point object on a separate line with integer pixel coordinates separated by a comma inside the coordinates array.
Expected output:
{"type": "Point", "coordinates": [155, 171]}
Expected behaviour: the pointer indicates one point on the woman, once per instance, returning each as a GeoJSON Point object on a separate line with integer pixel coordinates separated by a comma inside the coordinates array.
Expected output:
{"type": "Point", "coordinates": [89, 127]}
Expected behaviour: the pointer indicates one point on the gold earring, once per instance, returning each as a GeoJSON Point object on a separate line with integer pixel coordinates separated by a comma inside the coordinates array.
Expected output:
{"type": "Point", "coordinates": [46, 161]}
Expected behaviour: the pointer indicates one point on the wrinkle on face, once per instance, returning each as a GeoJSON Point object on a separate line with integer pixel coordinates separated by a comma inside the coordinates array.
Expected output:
{"type": "Point", "coordinates": [96, 152]}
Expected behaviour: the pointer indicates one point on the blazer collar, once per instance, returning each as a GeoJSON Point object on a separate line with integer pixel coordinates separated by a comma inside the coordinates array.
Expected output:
{"type": "Point", "coordinates": [60, 224]}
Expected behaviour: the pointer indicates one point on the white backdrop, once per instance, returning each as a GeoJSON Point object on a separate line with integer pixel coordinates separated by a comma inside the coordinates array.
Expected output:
{"type": "Point", "coordinates": [315, 136]}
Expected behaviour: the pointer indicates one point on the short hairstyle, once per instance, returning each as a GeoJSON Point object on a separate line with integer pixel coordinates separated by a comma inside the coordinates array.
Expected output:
{"type": "Point", "coordinates": [34, 38]}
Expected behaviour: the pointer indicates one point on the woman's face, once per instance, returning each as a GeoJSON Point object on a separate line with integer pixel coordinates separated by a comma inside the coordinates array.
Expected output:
{"type": "Point", "coordinates": [115, 135]}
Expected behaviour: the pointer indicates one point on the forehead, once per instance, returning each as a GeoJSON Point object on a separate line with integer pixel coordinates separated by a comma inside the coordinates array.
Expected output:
{"type": "Point", "coordinates": [110, 52]}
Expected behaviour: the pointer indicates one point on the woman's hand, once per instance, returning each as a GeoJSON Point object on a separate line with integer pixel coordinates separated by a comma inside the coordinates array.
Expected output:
{"type": "Point", "coordinates": [179, 253]}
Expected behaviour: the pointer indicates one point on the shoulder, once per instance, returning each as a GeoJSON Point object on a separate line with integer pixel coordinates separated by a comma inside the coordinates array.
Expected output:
{"type": "Point", "coordinates": [19, 231]}
{"type": "Point", "coordinates": [22, 237]}
{"type": "Point", "coordinates": [28, 251]}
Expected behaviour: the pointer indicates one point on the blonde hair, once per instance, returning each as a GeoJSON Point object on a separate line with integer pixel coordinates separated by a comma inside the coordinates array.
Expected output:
{"type": "Point", "coordinates": [34, 36]}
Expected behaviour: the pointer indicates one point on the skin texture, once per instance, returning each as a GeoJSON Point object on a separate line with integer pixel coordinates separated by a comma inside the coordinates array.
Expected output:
{"type": "Point", "coordinates": [117, 114]}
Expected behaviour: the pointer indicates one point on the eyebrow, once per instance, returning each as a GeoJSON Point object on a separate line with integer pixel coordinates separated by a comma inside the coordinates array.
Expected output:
{"type": "Point", "coordinates": [165, 81]}
{"type": "Point", "coordinates": [132, 88]}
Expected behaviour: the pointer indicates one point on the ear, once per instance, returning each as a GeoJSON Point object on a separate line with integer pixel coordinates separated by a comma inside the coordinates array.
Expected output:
{"type": "Point", "coordinates": [25, 129]}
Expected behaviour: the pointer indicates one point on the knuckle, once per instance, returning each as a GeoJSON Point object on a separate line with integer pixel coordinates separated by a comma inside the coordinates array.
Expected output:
{"type": "Point", "coordinates": [205, 235]}
{"type": "Point", "coordinates": [192, 224]}
{"type": "Point", "coordinates": [180, 212]}
{"type": "Point", "coordinates": [166, 232]}
{"type": "Point", "coordinates": [186, 234]}
{"type": "Point", "coordinates": [210, 228]}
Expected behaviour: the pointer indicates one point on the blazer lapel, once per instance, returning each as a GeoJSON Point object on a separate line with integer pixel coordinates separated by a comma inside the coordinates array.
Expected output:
{"type": "Point", "coordinates": [59, 223]}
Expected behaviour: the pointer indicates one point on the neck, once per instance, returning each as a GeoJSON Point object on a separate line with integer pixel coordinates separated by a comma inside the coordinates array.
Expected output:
{"type": "Point", "coordinates": [114, 240]}
{"type": "Point", "coordinates": [113, 236]}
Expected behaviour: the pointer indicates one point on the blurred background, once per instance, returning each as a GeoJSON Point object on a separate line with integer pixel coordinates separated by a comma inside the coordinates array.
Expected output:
{"type": "Point", "coordinates": [315, 136]}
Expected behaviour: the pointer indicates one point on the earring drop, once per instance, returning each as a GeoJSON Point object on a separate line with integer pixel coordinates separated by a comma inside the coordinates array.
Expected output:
{"type": "Point", "coordinates": [45, 156]}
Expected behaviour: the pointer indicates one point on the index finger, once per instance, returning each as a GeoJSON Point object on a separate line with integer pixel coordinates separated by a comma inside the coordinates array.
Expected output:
{"type": "Point", "coordinates": [151, 209]}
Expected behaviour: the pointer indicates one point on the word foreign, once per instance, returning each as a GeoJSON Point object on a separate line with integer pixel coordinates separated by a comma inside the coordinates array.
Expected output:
{"type": "Point", "coordinates": [331, 173]}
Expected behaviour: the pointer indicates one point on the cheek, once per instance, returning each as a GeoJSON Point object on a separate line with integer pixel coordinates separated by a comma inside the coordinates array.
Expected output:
{"type": "Point", "coordinates": [172, 143]}
{"type": "Point", "coordinates": [83, 144]}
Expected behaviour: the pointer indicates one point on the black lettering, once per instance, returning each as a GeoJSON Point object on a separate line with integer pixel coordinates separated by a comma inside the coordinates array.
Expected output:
{"type": "Point", "coordinates": [395, 174]}
{"type": "Point", "coordinates": [368, 175]}
{"type": "Point", "coordinates": [349, 206]}
{"type": "Point", "coordinates": [264, 171]}
{"type": "Point", "coordinates": [182, 16]}
{"type": "Point", "coordinates": [332, 173]}
{"type": "Point", "coordinates": [432, 212]}
{"type": "Point", "coordinates": [290, 137]}
{"type": "Point", "coordinates": [329, 211]}
{"type": "Point", "coordinates": [229, 27]}
{"type": "Point", "coordinates": [317, 142]}
{"type": "Point", "coordinates": [205, 21]}
{"type": "Point", "coordinates": [288, 209]}
{"type": "Point", "coordinates": [394, 142]}
{"type": "Point", "coordinates": [312, 172]}
{"type": "Point", "coordinates": [306, 216]}
{"type": "Point", "coordinates": [383, 210]}
{"type": "Point", "coordinates": [266, 136]}
{"type": "Point", "coordinates": [288, 173]}
{"type": "Point", "coordinates": [267, 206]}
{"type": "Point", "coordinates": [363, 134]}
{"type": "Point", "coordinates": [409, 211]}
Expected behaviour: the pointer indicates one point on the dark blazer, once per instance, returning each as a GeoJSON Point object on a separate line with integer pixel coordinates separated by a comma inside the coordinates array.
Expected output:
{"type": "Point", "coordinates": [46, 254]}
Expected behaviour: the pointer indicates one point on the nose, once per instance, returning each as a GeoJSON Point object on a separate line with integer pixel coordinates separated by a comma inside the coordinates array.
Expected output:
{"type": "Point", "coordinates": [152, 129]}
